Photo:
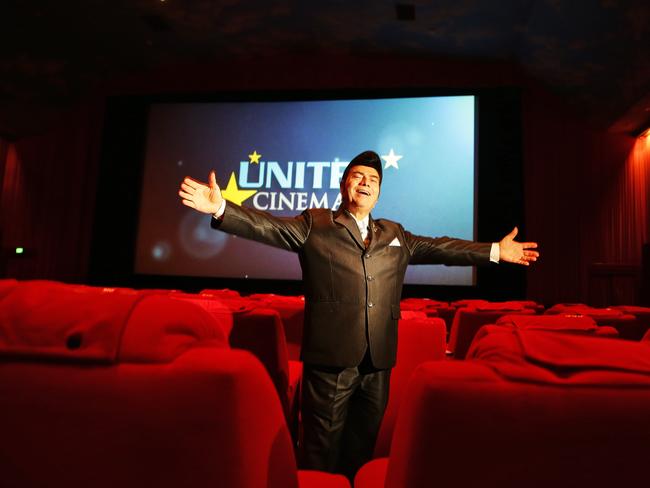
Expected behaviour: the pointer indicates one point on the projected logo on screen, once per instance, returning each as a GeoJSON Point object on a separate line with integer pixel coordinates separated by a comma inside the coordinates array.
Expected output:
{"type": "Point", "coordinates": [285, 157]}
{"type": "Point", "coordinates": [292, 185]}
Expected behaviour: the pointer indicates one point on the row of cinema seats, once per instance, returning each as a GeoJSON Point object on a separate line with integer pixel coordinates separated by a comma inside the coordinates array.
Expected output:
{"type": "Point", "coordinates": [257, 323]}
{"type": "Point", "coordinates": [254, 326]}
{"type": "Point", "coordinates": [141, 351]}
{"type": "Point", "coordinates": [465, 317]}
{"type": "Point", "coordinates": [537, 403]}
{"type": "Point", "coordinates": [117, 387]}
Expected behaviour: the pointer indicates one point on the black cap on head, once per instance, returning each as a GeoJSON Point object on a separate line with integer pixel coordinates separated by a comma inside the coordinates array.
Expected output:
{"type": "Point", "coordinates": [366, 158]}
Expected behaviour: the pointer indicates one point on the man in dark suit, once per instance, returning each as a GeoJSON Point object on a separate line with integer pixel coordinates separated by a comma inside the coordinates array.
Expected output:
{"type": "Point", "coordinates": [353, 268]}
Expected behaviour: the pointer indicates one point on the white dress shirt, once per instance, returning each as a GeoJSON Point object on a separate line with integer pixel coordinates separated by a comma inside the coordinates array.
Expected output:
{"type": "Point", "coordinates": [363, 226]}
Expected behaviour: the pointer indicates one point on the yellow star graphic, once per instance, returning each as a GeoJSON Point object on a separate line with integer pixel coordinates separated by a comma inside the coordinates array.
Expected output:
{"type": "Point", "coordinates": [255, 158]}
{"type": "Point", "coordinates": [234, 194]}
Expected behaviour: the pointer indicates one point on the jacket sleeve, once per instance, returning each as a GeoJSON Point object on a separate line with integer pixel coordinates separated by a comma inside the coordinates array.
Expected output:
{"type": "Point", "coordinates": [282, 232]}
{"type": "Point", "coordinates": [446, 250]}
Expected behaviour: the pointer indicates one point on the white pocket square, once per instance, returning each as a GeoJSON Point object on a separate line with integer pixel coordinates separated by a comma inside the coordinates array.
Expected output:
{"type": "Point", "coordinates": [394, 243]}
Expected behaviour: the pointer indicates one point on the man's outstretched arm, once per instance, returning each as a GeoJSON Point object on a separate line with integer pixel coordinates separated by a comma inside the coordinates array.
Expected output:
{"type": "Point", "coordinates": [285, 233]}
{"type": "Point", "coordinates": [459, 252]}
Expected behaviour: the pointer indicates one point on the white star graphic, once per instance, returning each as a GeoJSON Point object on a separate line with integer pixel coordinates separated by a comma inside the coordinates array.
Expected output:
{"type": "Point", "coordinates": [391, 159]}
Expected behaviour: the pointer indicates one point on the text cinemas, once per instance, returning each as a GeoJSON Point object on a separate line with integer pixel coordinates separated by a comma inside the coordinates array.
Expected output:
{"type": "Point", "coordinates": [264, 200]}
{"type": "Point", "coordinates": [296, 175]}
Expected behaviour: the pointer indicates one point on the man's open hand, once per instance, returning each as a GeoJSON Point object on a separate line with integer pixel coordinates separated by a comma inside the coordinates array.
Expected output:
{"type": "Point", "coordinates": [199, 196]}
{"type": "Point", "coordinates": [517, 252]}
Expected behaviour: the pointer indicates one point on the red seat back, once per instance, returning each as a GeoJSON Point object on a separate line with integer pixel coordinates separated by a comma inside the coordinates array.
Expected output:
{"type": "Point", "coordinates": [84, 324]}
{"type": "Point", "coordinates": [534, 409]}
{"type": "Point", "coordinates": [419, 340]}
{"type": "Point", "coordinates": [208, 418]}
{"type": "Point", "coordinates": [468, 321]}
{"type": "Point", "coordinates": [260, 331]}
{"type": "Point", "coordinates": [292, 312]}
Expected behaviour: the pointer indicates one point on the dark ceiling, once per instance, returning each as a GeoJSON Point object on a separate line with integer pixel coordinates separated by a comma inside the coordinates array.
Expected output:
{"type": "Point", "coordinates": [592, 52]}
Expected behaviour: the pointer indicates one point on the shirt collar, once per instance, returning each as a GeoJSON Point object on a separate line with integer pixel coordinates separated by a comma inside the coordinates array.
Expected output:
{"type": "Point", "coordinates": [363, 223]}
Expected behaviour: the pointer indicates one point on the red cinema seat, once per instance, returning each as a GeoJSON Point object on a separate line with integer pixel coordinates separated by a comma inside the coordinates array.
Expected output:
{"type": "Point", "coordinates": [433, 308]}
{"type": "Point", "coordinates": [421, 304]}
{"type": "Point", "coordinates": [467, 322]}
{"type": "Point", "coordinates": [646, 337]}
{"type": "Point", "coordinates": [469, 302]}
{"type": "Point", "coordinates": [418, 341]}
{"type": "Point", "coordinates": [292, 312]}
{"type": "Point", "coordinates": [41, 318]}
{"type": "Point", "coordinates": [485, 305]}
{"type": "Point", "coordinates": [242, 304]}
{"type": "Point", "coordinates": [626, 324]}
{"type": "Point", "coordinates": [507, 305]}
{"type": "Point", "coordinates": [412, 314]}
{"type": "Point", "coordinates": [220, 293]}
{"type": "Point", "coordinates": [532, 409]}
{"type": "Point", "coordinates": [221, 310]}
{"type": "Point", "coordinates": [560, 323]}
{"type": "Point", "coordinates": [110, 390]}
{"type": "Point", "coordinates": [260, 331]}
{"type": "Point", "coordinates": [566, 308]}
{"type": "Point", "coordinates": [642, 325]}
{"type": "Point", "coordinates": [445, 312]}
{"type": "Point", "coordinates": [6, 286]}
{"type": "Point", "coordinates": [527, 304]}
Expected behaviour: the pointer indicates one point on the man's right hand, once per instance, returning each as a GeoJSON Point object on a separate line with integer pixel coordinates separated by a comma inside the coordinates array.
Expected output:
{"type": "Point", "coordinates": [201, 197]}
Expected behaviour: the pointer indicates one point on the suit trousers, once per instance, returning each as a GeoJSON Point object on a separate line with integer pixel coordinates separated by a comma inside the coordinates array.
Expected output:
{"type": "Point", "coordinates": [341, 411]}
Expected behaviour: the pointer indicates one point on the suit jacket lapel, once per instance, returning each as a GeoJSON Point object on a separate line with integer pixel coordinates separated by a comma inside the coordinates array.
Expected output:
{"type": "Point", "coordinates": [346, 220]}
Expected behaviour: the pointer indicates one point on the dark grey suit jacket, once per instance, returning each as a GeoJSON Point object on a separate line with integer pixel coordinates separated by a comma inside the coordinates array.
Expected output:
{"type": "Point", "coordinates": [352, 294]}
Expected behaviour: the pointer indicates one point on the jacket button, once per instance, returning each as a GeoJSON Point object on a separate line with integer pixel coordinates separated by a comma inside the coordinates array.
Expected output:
{"type": "Point", "coordinates": [370, 304]}
{"type": "Point", "coordinates": [367, 256]}
{"type": "Point", "coordinates": [370, 277]}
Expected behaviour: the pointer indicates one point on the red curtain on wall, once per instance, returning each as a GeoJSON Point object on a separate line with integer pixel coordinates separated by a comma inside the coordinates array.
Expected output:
{"type": "Point", "coordinates": [3, 160]}
{"type": "Point", "coordinates": [3, 156]}
{"type": "Point", "coordinates": [586, 198]}
{"type": "Point", "coordinates": [48, 197]}
{"type": "Point", "coordinates": [624, 209]}
{"type": "Point", "coordinates": [17, 228]}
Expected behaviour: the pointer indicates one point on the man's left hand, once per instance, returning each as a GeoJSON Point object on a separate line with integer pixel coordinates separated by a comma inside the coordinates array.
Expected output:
{"type": "Point", "coordinates": [517, 252]}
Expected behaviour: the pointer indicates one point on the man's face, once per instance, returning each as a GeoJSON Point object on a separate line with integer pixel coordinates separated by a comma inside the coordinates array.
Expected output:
{"type": "Point", "coordinates": [360, 190]}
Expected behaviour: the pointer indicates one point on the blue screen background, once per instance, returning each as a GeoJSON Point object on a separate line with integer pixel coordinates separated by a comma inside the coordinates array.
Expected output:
{"type": "Point", "coordinates": [431, 192]}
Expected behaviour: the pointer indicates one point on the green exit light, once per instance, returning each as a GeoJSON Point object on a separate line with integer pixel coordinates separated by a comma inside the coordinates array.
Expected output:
{"type": "Point", "coordinates": [20, 250]}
